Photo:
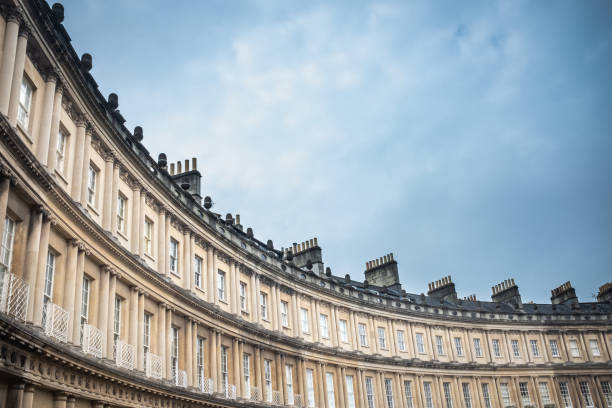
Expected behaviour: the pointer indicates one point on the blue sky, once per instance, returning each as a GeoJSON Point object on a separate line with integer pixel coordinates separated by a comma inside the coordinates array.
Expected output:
{"type": "Point", "coordinates": [471, 139]}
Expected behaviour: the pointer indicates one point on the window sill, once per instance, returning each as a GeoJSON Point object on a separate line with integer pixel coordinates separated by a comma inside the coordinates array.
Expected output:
{"type": "Point", "coordinates": [244, 312]}
{"type": "Point", "coordinates": [25, 132]}
{"type": "Point", "coordinates": [61, 176]}
{"type": "Point", "coordinates": [175, 274]}
{"type": "Point", "coordinates": [149, 257]}
{"type": "Point", "coordinates": [93, 209]}
{"type": "Point", "coordinates": [224, 301]}
{"type": "Point", "coordinates": [200, 289]}
{"type": "Point", "coordinates": [122, 234]}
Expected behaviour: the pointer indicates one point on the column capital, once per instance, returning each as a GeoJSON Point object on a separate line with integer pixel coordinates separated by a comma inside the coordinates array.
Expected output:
{"type": "Point", "coordinates": [51, 75]}
{"type": "Point", "coordinates": [60, 396]}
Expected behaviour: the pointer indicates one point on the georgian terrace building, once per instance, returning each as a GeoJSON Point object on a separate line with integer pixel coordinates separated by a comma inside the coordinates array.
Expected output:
{"type": "Point", "coordinates": [120, 288]}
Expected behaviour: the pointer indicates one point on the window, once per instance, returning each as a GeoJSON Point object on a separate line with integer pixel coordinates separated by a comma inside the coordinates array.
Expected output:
{"type": "Point", "coordinates": [310, 387]}
{"type": "Point", "coordinates": [221, 284]}
{"type": "Point", "coordinates": [389, 392]}
{"type": "Point", "coordinates": [485, 395]}
{"type": "Point", "coordinates": [48, 288]}
{"type": "Point", "coordinates": [121, 201]}
{"type": "Point", "coordinates": [116, 324]}
{"type": "Point", "coordinates": [607, 391]}
{"type": "Point", "coordinates": [574, 348]}
{"type": "Point", "coordinates": [408, 392]}
{"type": "Point", "coordinates": [268, 379]}
{"type": "Point", "coordinates": [197, 271]}
{"type": "Point", "coordinates": [535, 350]}
{"type": "Point", "coordinates": [263, 301]}
{"type": "Point", "coordinates": [439, 345]}
{"type": "Point", "coordinates": [400, 340]}
{"type": "Point", "coordinates": [60, 151]}
{"type": "Point", "coordinates": [173, 255]}
{"type": "Point", "coordinates": [420, 344]}
{"type": "Point", "coordinates": [524, 390]}
{"type": "Point", "coordinates": [594, 348]}
{"type": "Point", "coordinates": [289, 383]}
{"type": "Point", "coordinates": [331, 399]}
{"type": "Point", "coordinates": [427, 392]}
{"type": "Point", "coordinates": [25, 102]}
{"type": "Point", "coordinates": [586, 394]}
{"type": "Point", "coordinates": [505, 394]}
{"type": "Point", "coordinates": [146, 337]}
{"type": "Point", "coordinates": [467, 396]}
{"type": "Point", "coordinates": [304, 316]}
{"type": "Point", "coordinates": [554, 348]}
{"type": "Point", "coordinates": [477, 349]}
{"type": "Point", "coordinates": [92, 176]}
{"type": "Point", "coordinates": [84, 306]}
{"type": "Point", "coordinates": [224, 372]}
{"type": "Point", "coordinates": [544, 394]}
{"type": "Point", "coordinates": [369, 391]}
{"type": "Point", "coordinates": [243, 296]}
{"type": "Point", "coordinates": [148, 237]}
{"type": "Point", "coordinates": [8, 239]}
{"type": "Point", "coordinates": [459, 346]}
{"type": "Point", "coordinates": [447, 395]}
{"type": "Point", "coordinates": [350, 391]}
{"type": "Point", "coordinates": [284, 313]}
{"type": "Point", "coordinates": [246, 369]}
{"type": "Point", "coordinates": [200, 361]}
{"type": "Point", "coordinates": [565, 395]}
{"type": "Point", "coordinates": [382, 341]}
{"type": "Point", "coordinates": [363, 339]}
{"type": "Point", "coordinates": [496, 349]}
{"type": "Point", "coordinates": [515, 348]}
{"type": "Point", "coordinates": [343, 331]}
{"type": "Point", "coordinates": [324, 330]}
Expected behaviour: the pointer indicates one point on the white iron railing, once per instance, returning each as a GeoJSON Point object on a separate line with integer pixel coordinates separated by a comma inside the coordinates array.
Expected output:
{"type": "Point", "coordinates": [14, 295]}
{"type": "Point", "coordinates": [181, 378]}
{"type": "Point", "coordinates": [207, 385]}
{"type": "Point", "coordinates": [277, 398]}
{"type": "Point", "coordinates": [298, 401]}
{"type": "Point", "coordinates": [153, 366]}
{"type": "Point", "coordinates": [230, 391]}
{"type": "Point", "coordinates": [125, 355]}
{"type": "Point", "coordinates": [255, 394]}
{"type": "Point", "coordinates": [56, 321]}
{"type": "Point", "coordinates": [92, 340]}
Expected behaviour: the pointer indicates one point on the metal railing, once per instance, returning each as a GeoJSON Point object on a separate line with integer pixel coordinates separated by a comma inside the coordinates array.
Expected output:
{"type": "Point", "coordinates": [298, 401]}
{"type": "Point", "coordinates": [125, 355]}
{"type": "Point", "coordinates": [230, 391]}
{"type": "Point", "coordinates": [254, 394]}
{"type": "Point", "coordinates": [181, 378]}
{"type": "Point", "coordinates": [207, 385]}
{"type": "Point", "coordinates": [92, 340]}
{"type": "Point", "coordinates": [55, 321]}
{"type": "Point", "coordinates": [154, 366]}
{"type": "Point", "coordinates": [277, 398]}
{"type": "Point", "coordinates": [14, 295]}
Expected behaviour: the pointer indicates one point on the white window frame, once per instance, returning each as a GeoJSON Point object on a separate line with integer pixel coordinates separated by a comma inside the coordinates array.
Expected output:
{"type": "Point", "coordinates": [49, 280]}
{"type": "Point", "coordinates": [575, 351]}
{"type": "Point", "coordinates": [310, 394]}
{"type": "Point", "coordinates": [544, 393]}
{"type": "Point", "coordinates": [427, 394]}
{"type": "Point", "coordinates": [382, 338]}
{"type": "Point", "coordinates": [121, 213]}
{"type": "Point", "coordinates": [26, 92]}
{"type": "Point", "coordinates": [243, 296]}
{"type": "Point", "coordinates": [477, 348]}
{"type": "Point", "coordinates": [324, 327]}
{"type": "Point", "coordinates": [607, 392]}
{"type": "Point", "coordinates": [420, 343]}
{"type": "Point", "coordinates": [594, 345]}
{"type": "Point", "coordinates": [535, 350]}
{"type": "Point", "coordinates": [84, 310]}
{"type": "Point", "coordinates": [116, 324]}
{"type": "Point", "coordinates": [304, 318]}
{"type": "Point", "coordinates": [389, 392]}
{"type": "Point", "coordinates": [148, 237]}
{"type": "Point", "coordinates": [331, 397]}
{"type": "Point", "coordinates": [200, 360]}
{"type": "Point", "coordinates": [268, 379]}
{"type": "Point", "coordinates": [246, 373]}
{"type": "Point", "coordinates": [370, 392]}
{"type": "Point", "coordinates": [448, 396]}
{"type": "Point", "coordinates": [284, 309]}
{"type": "Point", "coordinates": [8, 243]}
{"type": "Point", "coordinates": [496, 350]}
{"type": "Point", "coordinates": [224, 369]}
{"type": "Point", "coordinates": [221, 284]}
{"type": "Point", "coordinates": [173, 255]}
{"type": "Point", "coordinates": [565, 395]}
{"type": "Point", "coordinates": [439, 345]}
{"type": "Point", "coordinates": [401, 344]}
{"type": "Point", "coordinates": [350, 391]}
{"type": "Point", "coordinates": [197, 271]}
{"type": "Point", "coordinates": [485, 395]}
{"type": "Point", "coordinates": [146, 334]}
{"type": "Point", "coordinates": [363, 337]}
{"type": "Point", "coordinates": [524, 392]}
{"type": "Point", "coordinates": [515, 348]}
{"type": "Point", "coordinates": [263, 302]}
{"type": "Point", "coordinates": [342, 328]}
{"type": "Point", "coordinates": [60, 151]}
{"type": "Point", "coordinates": [585, 391]}
{"type": "Point", "coordinates": [289, 383]}
{"type": "Point", "coordinates": [504, 390]}
{"type": "Point", "coordinates": [92, 182]}
{"type": "Point", "coordinates": [467, 395]}
{"type": "Point", "coordinates": [554, 348]}
{"type": "Point", "coordinates": [408, 393]}
{"type": "Point", "coordinates": [458, 346]}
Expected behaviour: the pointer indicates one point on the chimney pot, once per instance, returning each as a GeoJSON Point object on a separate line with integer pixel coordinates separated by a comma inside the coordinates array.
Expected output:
{"type": "Point", "coordinates": [172, 169]}
{"type": "Point", "coordinates": [194, 163]}
{"type": "Point", "coordinates": [186, 165]}
{"type": "Point", "coordinates": [179, 167]}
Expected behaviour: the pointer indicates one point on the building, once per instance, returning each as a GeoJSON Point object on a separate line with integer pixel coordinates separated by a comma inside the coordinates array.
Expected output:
{"type": "Point", "coordinates": [120, 288]}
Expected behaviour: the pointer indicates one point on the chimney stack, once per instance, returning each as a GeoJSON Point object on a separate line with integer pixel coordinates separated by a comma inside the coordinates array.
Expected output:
{"type": "Point", "coordinates": [383, 272]}
{"type": "Point", "coordinates": [443, 289]}
{"type": "Point", "coordinates": [507, 292]}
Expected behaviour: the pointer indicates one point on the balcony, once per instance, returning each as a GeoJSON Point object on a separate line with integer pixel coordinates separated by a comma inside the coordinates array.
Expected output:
{"type": "Point", "coordinates": [298, 401]}
{"type": "Point", "coordinates": [229, 391]}
{"type": "Point", "coordinates": [277, 399]}
{"type": "Point", "coordinates": [180, 379]}
{"type": "Point", "coordinates": [14, 295]}
{"type": "Point", "coordinates": [207, 386]}
{"type": "Point", "coordinates": [92, 340]}
{"type": "Point", "coordinates": [153, 366]}
{"type": "Point", "coordinates": [125, 355]}
{"type": "Point", "coordinates": [254, 394]}
{"type": "Point", "coordinates": [55, 322]}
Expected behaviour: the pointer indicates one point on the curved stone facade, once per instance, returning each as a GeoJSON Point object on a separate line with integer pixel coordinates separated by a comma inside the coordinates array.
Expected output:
{"type": "Point", "coordinates": [119, 287]}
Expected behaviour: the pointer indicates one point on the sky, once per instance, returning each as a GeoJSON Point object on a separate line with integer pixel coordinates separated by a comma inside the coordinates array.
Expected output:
{"type": "Point", "coordinates": [471, 139]}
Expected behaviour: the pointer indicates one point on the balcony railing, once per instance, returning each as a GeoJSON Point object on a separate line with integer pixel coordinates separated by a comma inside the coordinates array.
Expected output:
{"type": "Point", "coordinates": [298, 401]}
{"type": "Point", "coordinates": [181, 378]}
{"type": "Point", "coordinates": [92, 340]}
{"type": "Point", "coordinates": [277, 398]}
{"type": "Point", "coordinates": [125, 355]}
{"type": "Point", "coordinates": [153, 366]}
{"type": "Point", "coordinates": [207, 385]}
{"type": "Point", "coordinates": [55, 321]}
{"type": "Point", "coordinates": [254, 394]}
{"type": "Point", "coordinates": [14, 295]}
{"type": "Point", "coordinates": [230, 391]}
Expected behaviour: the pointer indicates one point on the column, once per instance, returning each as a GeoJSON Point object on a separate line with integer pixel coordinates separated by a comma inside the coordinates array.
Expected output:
{"type": "Point", "coordinates": [273, 307]}
{"type": "Point", "coordinates": [295, 324]}
{"type": "Point", "coordinates": [107, 196]}
{"type": "Point", "coordinates": [110, 302]}
{"type": "Point", "coordinates": [236, 376]}
{"type": "Point", "coordinates": [59, 399]}
{"type": "Point", "coordinates": [78, 293]}
{"type": "Point", "coordinates": [44, 129]}
{"type": "Point", "coordinates": [526, 347]}
{"type": "Point", "coordinates": [133, 330]}
{"type": "Point", "coordinates": [258, 371]}
{"type": "Point", "coordinates": [393, 337]}
{"type": "Point", "coordinates": [194, 344]}
{"type": "Point", "coordinates": [279, 375]}
{"type": "Point", "coordinates": [77, 168]}
{"type": "Point", "coordinates": [401, 395]}
{"type": "Point", "coordinates": [20, 56]}
{"type": "Point", "coordinates": [115, 193]}
{"type": "Point", "coordinates": [161, 333]}
{"type": "Point", "coordinates": [341, 375]}
{"type": "Point", "coordinates": [189, 357]}
{"type": "Point", "coordinates": [187, 277]}
{"type": "Point", "coordinates": [322, 387]}
{"type": "Point", "coordinates": [213, 277]}
{"type": "Point", "coordinates": [213, 358]}
{"type": "Point", "coordinates": [7, 65]}
{"type": "Point", "coordinates": [317, 321]}
{"type": "Point", "coordinates": [254, 298]}
{"type": "Point", "coordinates": [451, 348]}
{"type": "Point", "coordinates": [55, 124]}
{"type": "Point", "coordinates": [358, 384]}
{"type": "Point", "coordinates": [191, 261]}
{"type": "Point", "coordinates": [241, 370]}
{"type": "Point", "coordinates": [141, 223]}
{"type": "Point", "coordinates": [161, 242]}
{"type": "Point", "coordinates": [231, 292]}
{"type": "Point", "coordinates": [28, 396]}
{"type": "Point", "coordinates": [166, 243]}
{"type": "Point", "coordinates": [333, 325]}
{"type": "Point", "coordinates": [15, 395]}
{"type": "Point", "coordinates": [134, 236]}
{"type": "Point", "coordinates": [85, 171]}
{"type": "Point", "coordinates": [373, 341]}
{"type": "Point", "coordinates": [68, 302]}
{"type": "Point", "coordinates": [209, 274]}
{"type": "Point", "coordinates": [70, 402]}
{"type": "Point", "coordinates": [378, 378]}
{"type": "Point", "coordinates": [218, 358]}
{"type": "Point", "coordinates": [33, 242]}
{"type": "Point", "coordinates": [103, 311]}
{"type": "Point", "coordinates": [140, 336]}
{"type": "Point", "coordinates": [168, 342]}
{"type": "Point", "coordinates": [301, 377]}
{"type": "Point", "coordinates": [5, 186]}
{"type": "Point", "coordinates": [353, 331]}
{"type": "Point", "coordinates": [283, 379]}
